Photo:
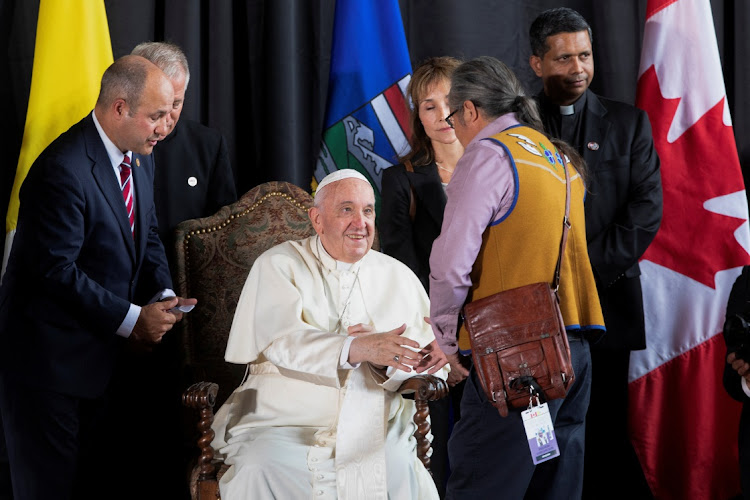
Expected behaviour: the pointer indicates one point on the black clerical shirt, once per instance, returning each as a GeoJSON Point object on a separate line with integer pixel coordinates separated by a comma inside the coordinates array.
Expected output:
{"type": "Point", "coordinates": [564, 122]}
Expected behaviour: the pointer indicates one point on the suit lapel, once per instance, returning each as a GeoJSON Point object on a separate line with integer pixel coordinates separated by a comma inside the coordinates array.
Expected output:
{"type": "Point", "coordinates": [142, 226]}
{"type": "Point", "coordinates": [595, 130]}
{"type": "Point", "coordinates": [107, 182]}
{"type": "Point", "coordinates": [429, 190]}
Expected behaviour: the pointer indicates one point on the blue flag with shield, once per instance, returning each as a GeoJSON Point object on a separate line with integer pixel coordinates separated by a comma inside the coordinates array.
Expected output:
{"type": "Point", "coordinates": [367, 117]}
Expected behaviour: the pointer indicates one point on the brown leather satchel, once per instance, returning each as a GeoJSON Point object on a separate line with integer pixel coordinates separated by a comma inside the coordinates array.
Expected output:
{"type": "Point", "coordinates": [518, 339]}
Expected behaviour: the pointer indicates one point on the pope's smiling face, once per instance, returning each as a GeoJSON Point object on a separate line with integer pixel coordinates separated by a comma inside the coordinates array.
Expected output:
{"type": "Point", "coordinates": [344, 218]}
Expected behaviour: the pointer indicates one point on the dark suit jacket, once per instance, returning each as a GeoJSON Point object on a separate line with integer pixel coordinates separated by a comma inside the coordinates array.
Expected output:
{"type": "Point", "coordinates": [411, 242]}
{"type": "Point", "coordinates": [191, 151]}
{"type": "Point", "coordinates": [74, 268]}
{"type": "Point", "coordinates": [739, 298]}
{"type": "Point", "coordinates": [623, 210]}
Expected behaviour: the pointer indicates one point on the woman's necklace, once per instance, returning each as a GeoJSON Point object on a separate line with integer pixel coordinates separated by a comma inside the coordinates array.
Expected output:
{"type": "Point", "coordinates": [442, 167]}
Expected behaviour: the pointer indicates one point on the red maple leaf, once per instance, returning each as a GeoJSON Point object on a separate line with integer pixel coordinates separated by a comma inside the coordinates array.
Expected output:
{"type": "Point", "coordinates": [700, 165]}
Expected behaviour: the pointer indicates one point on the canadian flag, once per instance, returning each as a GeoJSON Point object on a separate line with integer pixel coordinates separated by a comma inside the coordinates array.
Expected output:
{"type": "Point", "coordinates": [682, 423]}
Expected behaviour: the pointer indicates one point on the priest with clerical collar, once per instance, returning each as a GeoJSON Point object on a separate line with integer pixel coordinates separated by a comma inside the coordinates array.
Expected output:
{"type": "Point", "coordinates": [623, 213]}
{"type": "Point", "coordinates": [329, 330]}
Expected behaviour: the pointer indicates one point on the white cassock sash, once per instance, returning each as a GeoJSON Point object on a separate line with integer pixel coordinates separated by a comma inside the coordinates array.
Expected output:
{"type": "Point", "coordinates": [360, 440]}
{"type": "Point", "coordinates": [361, 429]}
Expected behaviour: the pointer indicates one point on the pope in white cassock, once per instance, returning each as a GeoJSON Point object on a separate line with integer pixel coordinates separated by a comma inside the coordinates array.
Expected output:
{"type": "Point", "coordinates": [329, 330]}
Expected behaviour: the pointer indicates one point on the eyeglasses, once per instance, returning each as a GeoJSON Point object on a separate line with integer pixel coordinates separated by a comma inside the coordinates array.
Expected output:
{"type": "Point", "coordinates": [449, 118]}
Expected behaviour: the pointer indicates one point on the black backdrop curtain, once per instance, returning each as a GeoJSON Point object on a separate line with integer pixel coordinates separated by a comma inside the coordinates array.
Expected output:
{"type": "Point", "coordinates": [259, 68]}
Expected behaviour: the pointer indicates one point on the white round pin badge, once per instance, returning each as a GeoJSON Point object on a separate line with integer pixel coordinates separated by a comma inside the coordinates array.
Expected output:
{"type": "Point", "coordinates": [192, 181]}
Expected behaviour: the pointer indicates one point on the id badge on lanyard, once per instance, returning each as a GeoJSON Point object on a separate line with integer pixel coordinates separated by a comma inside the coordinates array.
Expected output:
{"type": "Point", "coordinates": [540, 433]}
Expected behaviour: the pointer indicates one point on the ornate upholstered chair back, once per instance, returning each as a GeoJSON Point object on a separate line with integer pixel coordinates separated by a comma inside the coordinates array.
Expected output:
{"type": "Point", "coordinates": [214, 257]}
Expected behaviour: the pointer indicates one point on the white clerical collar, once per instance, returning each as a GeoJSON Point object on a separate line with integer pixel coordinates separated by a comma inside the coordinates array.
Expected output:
{"type": "Point", "coordinates": [328, 261]}
{"type": "Point", "coordinates": [343, 266]}
{"type": "Point", "coordinates": [576, 107]}
{"type": "Point", "coordinates": [567, 110]}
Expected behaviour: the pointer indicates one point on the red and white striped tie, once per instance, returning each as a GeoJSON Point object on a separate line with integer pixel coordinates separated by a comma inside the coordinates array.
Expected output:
{"type": "Point", "coordinates": [127, 191]}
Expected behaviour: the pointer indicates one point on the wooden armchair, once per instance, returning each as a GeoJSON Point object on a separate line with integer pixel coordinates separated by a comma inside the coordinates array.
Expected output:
{"type": "Point", "coordinates": [214, 257]}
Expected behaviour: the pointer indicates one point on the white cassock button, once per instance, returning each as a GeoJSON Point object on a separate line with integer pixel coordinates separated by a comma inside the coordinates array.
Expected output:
{"type": "Point", "coordinates": [320, 492]}
{"type": "Point", "coordinates": [192, 181]}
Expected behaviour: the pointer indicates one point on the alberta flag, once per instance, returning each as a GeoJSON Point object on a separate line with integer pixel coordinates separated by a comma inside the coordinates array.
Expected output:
{"type": "Point", "coordinates": [682, 423]}
{"type": "Point", "coordinates": [367, 116]}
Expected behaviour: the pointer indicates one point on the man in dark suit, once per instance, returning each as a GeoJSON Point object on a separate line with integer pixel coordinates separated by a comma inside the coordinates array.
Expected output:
{"type": "Point", "coordinates": [85, 255]}
{"type": "Point", "coordinates": [623, 212]}
{"type": "Point", "coordinates": [193, 177]}
{"type": "Point", "coordinates": [737, 370]}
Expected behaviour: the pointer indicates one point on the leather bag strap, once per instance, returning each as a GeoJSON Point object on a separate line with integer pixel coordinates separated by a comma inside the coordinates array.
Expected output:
{"type": "Point", "coordinates": [566, 227]}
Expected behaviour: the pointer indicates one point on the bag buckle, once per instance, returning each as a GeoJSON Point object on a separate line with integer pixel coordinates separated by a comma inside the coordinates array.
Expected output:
{"type": "Point", "coordinates": [531, 398]}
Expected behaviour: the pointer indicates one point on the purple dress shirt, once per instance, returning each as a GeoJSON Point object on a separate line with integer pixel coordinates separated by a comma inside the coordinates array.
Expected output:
{"type": "Point", "coordinates": [481, 191]}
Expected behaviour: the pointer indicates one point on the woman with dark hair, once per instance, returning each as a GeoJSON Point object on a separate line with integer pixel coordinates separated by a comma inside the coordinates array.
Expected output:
{"type": "Point", "coordinates": [413, 200]}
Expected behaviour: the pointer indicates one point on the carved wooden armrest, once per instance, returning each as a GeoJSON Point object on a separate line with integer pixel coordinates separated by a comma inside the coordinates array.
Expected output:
{"type": "Point", "coordinates": [202, 397]}
{"type": "Point", "coordinates": [426, 388]}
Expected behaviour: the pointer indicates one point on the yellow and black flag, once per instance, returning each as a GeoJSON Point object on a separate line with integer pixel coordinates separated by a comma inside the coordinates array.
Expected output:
{"type": "Point", "coordinates": [72, 51]}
